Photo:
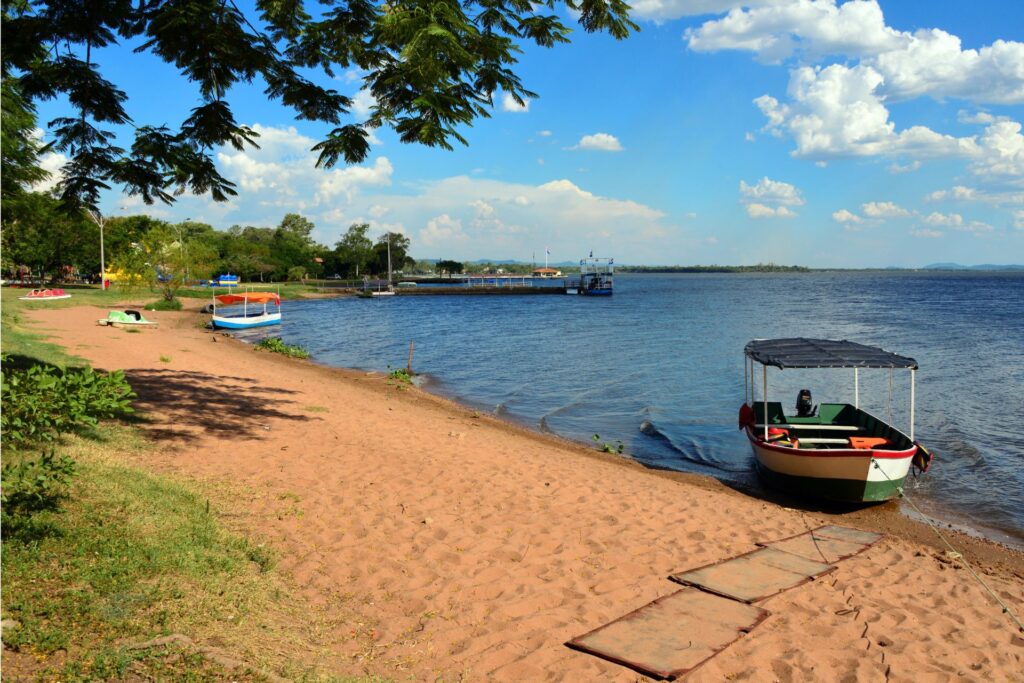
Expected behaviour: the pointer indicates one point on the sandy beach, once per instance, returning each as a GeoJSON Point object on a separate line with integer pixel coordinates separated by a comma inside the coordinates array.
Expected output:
{"type": "Point", "coordinates": [446, 544]}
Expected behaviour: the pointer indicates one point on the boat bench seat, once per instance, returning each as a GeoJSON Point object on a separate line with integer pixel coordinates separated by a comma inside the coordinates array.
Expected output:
{"type": "Point", "coordinates": [809, 426]}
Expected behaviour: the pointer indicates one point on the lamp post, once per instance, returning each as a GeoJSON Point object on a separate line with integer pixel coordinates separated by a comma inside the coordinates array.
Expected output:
{"type": "Point", "coordinates": [98, 218]}
{"type": "Point", "coordinates": [181, 246]}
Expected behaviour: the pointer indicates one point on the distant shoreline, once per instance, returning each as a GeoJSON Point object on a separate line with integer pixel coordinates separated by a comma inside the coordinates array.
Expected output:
{"type": "Point", "coordinates": [806, 269]}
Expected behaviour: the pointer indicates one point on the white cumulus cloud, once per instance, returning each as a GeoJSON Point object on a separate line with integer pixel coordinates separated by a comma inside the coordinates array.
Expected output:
{"type": "Point", "coordinates": [757, 210]}
{"type": "Point", "coordinates": [816, 27]}
{"type": "Point", "coordinates": [951, 220]}
{"type": "Point", "coordinates": [770, 191]}
{"type": "Point", "coordinates": [927, 62]}
{"type": "Point", "coordinates": [600, 142]}
{"type": "Point", "coordinates": [442, 229]}
{"type": "Point", "coordinates": [846, 217]}
{"type": "Point", "coordinates": [508, 103]}
{"type": "Point", "coordinates": [883, 210]}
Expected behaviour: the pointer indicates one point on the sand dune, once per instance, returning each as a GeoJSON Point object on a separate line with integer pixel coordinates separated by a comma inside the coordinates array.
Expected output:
{"type": "Point", "coordinates": [447, 544]}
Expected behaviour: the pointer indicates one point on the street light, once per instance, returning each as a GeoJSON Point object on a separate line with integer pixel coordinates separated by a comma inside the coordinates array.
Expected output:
{"type": "Point", "coordinates": [98, 218]}
{"type": "Point", "coordinates": [181, 247]}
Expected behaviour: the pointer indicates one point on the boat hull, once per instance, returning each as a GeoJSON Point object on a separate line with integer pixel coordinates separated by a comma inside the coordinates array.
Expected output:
{"type": "Point", "coordinates": [118, 323]}
{"type": "Point", "coordinates": [595, 292]}
{"type": "Point", "coordinates": [847, 475]}
{"type": "Point", "coordinates": [244, 323]}
{"type": "Point", "coordinates": [44, 298]}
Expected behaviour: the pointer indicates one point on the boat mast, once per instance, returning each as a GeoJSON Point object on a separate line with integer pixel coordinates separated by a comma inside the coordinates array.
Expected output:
{"type": "Point", "coordinates": [389, 262]}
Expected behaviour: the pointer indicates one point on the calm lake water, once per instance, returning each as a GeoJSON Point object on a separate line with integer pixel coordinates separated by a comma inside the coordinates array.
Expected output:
{"type": "Point", "coordinates": [659, 366]}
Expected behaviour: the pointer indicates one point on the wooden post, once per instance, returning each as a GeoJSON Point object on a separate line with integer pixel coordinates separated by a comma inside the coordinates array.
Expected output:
{"type": "Point", "coordinates": [408, 365]}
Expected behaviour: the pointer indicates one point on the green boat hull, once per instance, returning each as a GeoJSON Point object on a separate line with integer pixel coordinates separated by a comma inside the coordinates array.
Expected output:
{"type": "Point", "coordinates": [843, 490]}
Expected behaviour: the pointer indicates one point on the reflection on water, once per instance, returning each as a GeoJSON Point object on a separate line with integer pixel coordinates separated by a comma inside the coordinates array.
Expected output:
{"type": "Point", "coordinates": [665, 353]}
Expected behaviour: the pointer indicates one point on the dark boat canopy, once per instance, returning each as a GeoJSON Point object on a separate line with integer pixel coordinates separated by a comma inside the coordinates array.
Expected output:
{"type": "Point", "coordinates": [799, 352]}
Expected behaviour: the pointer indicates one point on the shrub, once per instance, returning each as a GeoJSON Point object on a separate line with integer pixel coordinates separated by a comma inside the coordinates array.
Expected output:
{"type": "Point", "coordinates": [41, 402]}
{"type": "Point", "coordinates": [605, 447]}
{"type": "Point", "coordinates": [164, 305]}
{"type": "Point", "coordinates": [31, 486]}
{"type": "Point", "coordinates": [401, 375]}
{"type": "Point", "coordinates": [277, 345]}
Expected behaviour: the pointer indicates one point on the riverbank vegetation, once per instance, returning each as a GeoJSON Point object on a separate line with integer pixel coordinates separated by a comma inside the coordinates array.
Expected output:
{"type": "Point", "coordinates": [277, 345]}
{"type": "Point", "coordinates": [114, 573]}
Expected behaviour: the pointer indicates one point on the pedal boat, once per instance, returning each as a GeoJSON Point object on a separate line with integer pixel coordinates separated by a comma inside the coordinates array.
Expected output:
{"type": "Point", "coordinates": [126, 318]}
{"type": "Point", "coordinates": [45, 295]}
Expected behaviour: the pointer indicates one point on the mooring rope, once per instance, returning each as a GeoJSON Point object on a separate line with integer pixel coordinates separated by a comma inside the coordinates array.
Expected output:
{"type": "Point", "coordinates": [956, 554]}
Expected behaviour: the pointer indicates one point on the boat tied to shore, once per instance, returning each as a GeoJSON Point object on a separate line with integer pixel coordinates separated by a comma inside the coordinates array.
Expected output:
{"type": "Point", "coordinates": [246, 310]}
{"type": "Point", "coordinates": [836, 451]}
{"type": "Point", "coordinates": [596, 276]}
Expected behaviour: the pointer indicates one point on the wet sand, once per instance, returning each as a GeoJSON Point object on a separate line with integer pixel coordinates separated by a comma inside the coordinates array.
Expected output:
{"type": "Point", "coordinates": [449, 544]}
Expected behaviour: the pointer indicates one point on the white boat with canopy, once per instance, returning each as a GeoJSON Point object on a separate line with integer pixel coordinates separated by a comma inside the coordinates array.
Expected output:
{"type": "Point", "coordinates": [836, 450]}
{"type": "Point", "coordinates": [246, 309]}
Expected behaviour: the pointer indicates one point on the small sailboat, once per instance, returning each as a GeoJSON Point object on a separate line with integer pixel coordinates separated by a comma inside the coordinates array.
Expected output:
{"type": "Point", "coordinates": [246, 309]}
{"type": "Point", "coordinates": [390, 291]}
{"type": "Point", "coordinates": [836, 451]}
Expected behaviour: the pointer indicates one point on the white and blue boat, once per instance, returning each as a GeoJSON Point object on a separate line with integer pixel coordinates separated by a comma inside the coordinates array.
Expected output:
{"type": "Point", "coordinates": [247, 309]}
{"type": "Point", "coordinates": [596, 276]}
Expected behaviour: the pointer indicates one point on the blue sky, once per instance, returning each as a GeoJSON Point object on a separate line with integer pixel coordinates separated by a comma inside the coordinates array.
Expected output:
{"type": "Point", "coordinates": [812, 132]}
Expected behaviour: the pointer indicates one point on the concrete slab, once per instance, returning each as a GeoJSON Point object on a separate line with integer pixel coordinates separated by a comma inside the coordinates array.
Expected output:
{"type": "Point", "coordinates": [672, 635]}
{"type": "Point", "coordinates": [755, 575]}
{"type": "Point", "coordinates": [826, 544]}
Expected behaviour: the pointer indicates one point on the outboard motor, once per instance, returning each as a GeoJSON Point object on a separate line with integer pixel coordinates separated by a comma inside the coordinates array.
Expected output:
{"type": "Point", "coordinates": [804, 404]}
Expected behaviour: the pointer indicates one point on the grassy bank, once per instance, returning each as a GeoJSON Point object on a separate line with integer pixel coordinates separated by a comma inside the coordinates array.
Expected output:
{"type": "Point", "coordinates": [131, 575]}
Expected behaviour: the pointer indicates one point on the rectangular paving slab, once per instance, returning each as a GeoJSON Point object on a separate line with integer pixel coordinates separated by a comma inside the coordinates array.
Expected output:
{"type": "Point", "coordinates": [826, 544]}
{"type": "Point", "coordinates": [755, 575]}
{"type": "Point", "coordinates": [672, 635]}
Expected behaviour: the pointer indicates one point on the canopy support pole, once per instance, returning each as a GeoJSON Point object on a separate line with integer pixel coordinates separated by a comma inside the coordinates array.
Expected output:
{"type": "Point", "coordinates": [764, 398]}
{"type": "Point", "coordinates": [913, 375]}
{"type": "Point", "coordinates": [746, 385]}
{"type": "Point", "coordinates": [890, 395]}
{"type": "Point", "coordinates": [856, 387]}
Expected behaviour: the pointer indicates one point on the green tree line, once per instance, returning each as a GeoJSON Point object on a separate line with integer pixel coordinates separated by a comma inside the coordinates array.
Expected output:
{"type": "Point", "coordinates": [43, 238]}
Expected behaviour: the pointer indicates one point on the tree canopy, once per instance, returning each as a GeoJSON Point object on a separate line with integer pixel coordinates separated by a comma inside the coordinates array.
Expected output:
{"type": "Point", "coordinates": [432, 66]}
{"type": "Point", "coordinates": [450, 267]}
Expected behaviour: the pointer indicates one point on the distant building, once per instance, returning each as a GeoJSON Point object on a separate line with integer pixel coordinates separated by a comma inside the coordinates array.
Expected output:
{"type": "Point", "coordinates": [547, 272]}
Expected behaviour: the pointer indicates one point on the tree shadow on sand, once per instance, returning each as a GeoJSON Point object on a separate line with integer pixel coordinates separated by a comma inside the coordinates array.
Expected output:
{"type": "Point", "coordinates": [194, 404]}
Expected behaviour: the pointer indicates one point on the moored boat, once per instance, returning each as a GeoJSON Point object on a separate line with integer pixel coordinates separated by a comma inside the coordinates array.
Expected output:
{"type": "Point", "coordinates": [246, 309]}
{"type": "Point", "coordinates": [596, 276]}
{"type": "Point", "coordinates": [836, 451]}
{"type": "Point", "coordinates": [45, 295]}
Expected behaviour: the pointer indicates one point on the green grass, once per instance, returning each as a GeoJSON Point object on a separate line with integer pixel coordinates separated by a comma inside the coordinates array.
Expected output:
{"type": "Point", "coordinates": [130, 556]}
{"type": "Point", "coordinates": [164, 305]}
{"type": "Point", "coordinates": [401, 375]}
{"type": "Point", "coordinates": [276, 345]}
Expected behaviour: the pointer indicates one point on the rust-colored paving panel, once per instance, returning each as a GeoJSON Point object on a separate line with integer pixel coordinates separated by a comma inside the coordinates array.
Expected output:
{"type": "Point", "coordinates": [845, 533]}
{"type": "Point", "coordinates": [826, 544]}
{"type": "Point", "coordinates": [755, 575]}
{"type": "Point", "coordinates": [672, 635]}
